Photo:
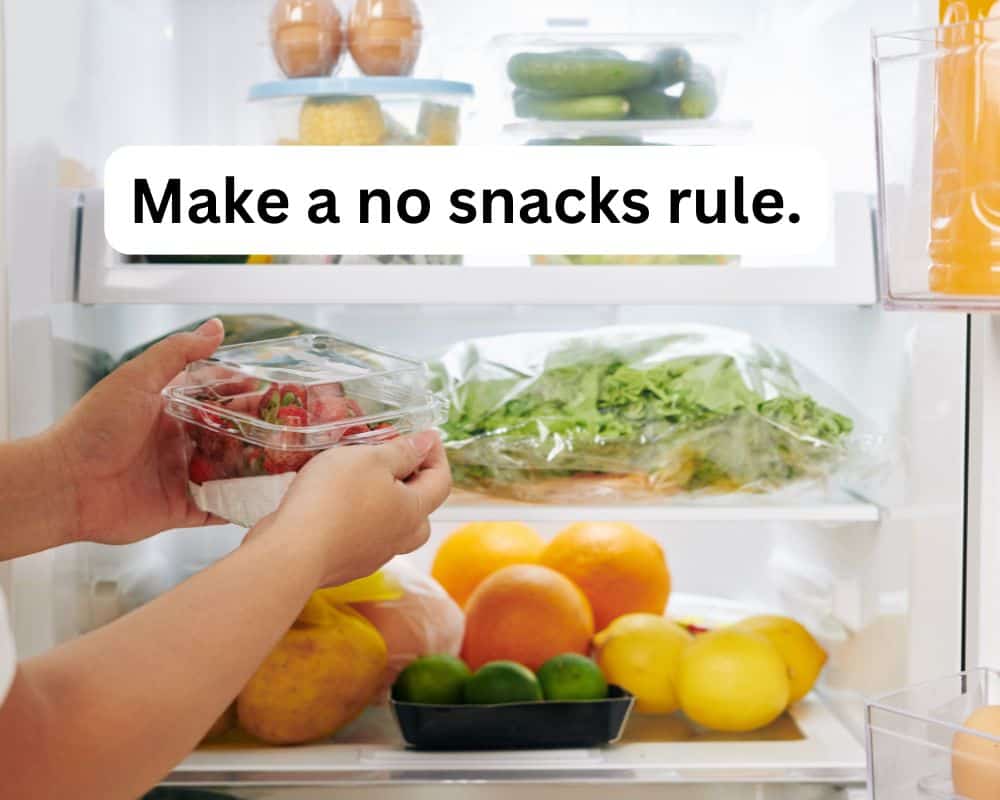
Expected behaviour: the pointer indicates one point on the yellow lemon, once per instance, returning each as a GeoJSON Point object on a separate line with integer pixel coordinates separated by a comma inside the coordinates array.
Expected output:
{"type": "Point", "coordinates": [641, 652]}
{"type": "Point", "coordinates": [732, 680]}
{"type": "Point", "coordinates": [802, 654]}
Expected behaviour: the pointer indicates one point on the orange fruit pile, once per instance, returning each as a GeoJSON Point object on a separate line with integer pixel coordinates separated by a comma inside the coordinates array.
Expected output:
{"type": "Point", "coordinates": [479, 549]}
{"type": "Point", "coordinates": [620, 569]}
{"type": "Point", "coordinates": [526, 613]}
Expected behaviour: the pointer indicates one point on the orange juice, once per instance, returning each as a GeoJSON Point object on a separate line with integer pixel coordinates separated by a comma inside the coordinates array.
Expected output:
{"type": "Point", "coordinates": [965, 201]}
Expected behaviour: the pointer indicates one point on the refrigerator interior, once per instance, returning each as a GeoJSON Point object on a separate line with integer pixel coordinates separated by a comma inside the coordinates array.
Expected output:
{"type": "Point", "coordinates": [877, 574]}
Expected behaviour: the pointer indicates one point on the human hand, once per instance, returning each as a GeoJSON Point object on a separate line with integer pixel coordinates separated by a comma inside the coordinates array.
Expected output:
{"type": "Point", "coordinates": [122, 456]}
{"type": "Point", "coordinates": [351, 509]}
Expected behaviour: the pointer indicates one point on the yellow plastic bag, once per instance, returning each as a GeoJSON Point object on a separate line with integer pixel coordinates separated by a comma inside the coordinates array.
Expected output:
{"type": "Point", "coordinates": [378, 587]}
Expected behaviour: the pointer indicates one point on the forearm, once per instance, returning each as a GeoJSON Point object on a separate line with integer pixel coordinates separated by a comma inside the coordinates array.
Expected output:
{"type": "Point", "coordinates": [108, 715]}
{"type": "Point", "coordinates": [37, 497]}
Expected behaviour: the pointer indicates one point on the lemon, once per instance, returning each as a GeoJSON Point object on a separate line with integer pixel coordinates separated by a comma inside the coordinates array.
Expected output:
{"type": "Point", "coordinates": [641, 653]}
{"type": "Point", "coordinates": [802, 654]}
{"type": "Point", "coordinates": [732, 680]}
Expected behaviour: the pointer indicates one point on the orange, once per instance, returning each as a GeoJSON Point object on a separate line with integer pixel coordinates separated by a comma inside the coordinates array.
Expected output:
{"type": "Point", "coordinates": [528, 614]}
{"type": "Point", "coordinates": [618, 567]}
{"type": "Point", "coordinates": [479, 549]}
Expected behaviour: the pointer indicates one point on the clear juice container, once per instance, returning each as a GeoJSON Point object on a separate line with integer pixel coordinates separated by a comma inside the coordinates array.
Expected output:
{"type": "Point", "coordinates": [254, 414]}
{"type": "Point", "coordinates": [965, 200]}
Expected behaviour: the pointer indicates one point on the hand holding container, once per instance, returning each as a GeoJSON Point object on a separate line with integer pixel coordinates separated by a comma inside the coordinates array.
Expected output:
{"type": "Point", "coordinates": [255, 414]}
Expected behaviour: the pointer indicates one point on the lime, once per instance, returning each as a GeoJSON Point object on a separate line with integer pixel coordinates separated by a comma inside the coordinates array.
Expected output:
{"type": "Point", "coordinates": [432, 680]}
{"type": "Point", "coordinates": [502, 682]}
{"type": "Point", "coordinates": [572, 677]}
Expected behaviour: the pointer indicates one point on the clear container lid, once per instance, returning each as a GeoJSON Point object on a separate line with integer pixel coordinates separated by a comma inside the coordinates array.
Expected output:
{"type": "Point", "coordinates": [305, 392]}
{"type": "Point", "coordinates": [394, 87]}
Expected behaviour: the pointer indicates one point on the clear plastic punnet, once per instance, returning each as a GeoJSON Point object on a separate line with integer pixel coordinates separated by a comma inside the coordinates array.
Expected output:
{"type": "Point", "coordinates": [634, 413]}
{"type": "Point", "coordinates": [938, 121]}
{"type": "Point", "coordinates": [254, 414]}
{"type": "Point", "coordinates": [939, 740]}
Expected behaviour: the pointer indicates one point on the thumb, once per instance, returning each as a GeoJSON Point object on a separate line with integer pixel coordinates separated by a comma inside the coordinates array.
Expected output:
{"type": "Point", "coordinates": [162, 362]}
{"type": "Point", "coordinates": [405, 455]}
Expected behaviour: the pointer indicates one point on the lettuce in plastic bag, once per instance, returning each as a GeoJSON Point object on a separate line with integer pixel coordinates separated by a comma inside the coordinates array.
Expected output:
{"type": "Point", "coordinates": [632, 412]}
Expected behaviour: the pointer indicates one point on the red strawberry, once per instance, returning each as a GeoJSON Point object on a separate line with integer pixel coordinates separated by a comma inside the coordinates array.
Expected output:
{"type": "Point", "coordinates": [253, 461]}
{"type": "Point", "coordinates": [270, 402]}
{"type": "Point", "coordinates": [389, 429]}
{"type": "Point", "coordinates": [693, 629]}
{"type": "Point", "coordinates": [278, 460]}
{"type": "Point", "coordinates": [293, 416]}
{"type": "Point", "coordinates": [214, 445]}
{"type": "Point", "coordinates": [201, 469]}
{"type": "Point", "coordinates": [279, 396]}
{"type": "Point", "coordinates": [293, 394]}
{"type": "Point", "coordinates": [326, 403]}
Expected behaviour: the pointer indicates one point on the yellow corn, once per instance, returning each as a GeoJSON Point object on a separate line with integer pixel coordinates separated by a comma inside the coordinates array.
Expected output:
{"type": "Point", "coordinates": [341, 121]}
{"type": "Point", "coordinates": [438, 123]}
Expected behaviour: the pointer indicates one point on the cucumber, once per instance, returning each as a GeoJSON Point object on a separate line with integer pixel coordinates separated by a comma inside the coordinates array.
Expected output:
{"type": "Point", "coordinates": [596, 107]}
{"type": "Point", "coordinates": [592, 52]}
{"type": "Point", "coordinates": [575, 74]}
{"type": "Point", "coordinates": [653, 104]}
{"type": "Point", "coordinates": [699, 98]}
{"type": "Point", "coordinates": [673, 65]}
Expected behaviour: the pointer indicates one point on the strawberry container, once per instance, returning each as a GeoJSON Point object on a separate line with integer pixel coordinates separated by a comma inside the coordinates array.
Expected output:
{"type": "Point", "coordinates": [254, 414]}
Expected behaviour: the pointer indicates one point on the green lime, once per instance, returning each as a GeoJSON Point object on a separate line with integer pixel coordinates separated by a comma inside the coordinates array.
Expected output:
{"type": "Point", "coordinates": [432, 680]}
{"type": "Point", "coordinates": [502, 682]}
{"type": "Point", "coordinates": [572, 677]}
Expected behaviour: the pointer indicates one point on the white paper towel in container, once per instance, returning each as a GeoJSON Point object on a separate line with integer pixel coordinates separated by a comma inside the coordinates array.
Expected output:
{"type": "Point", "coordinates": [244, 501]}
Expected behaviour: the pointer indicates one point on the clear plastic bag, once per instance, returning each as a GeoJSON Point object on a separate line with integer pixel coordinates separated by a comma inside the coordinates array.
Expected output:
{"type": "Point", "coordinates": [631, 413]}
{"type": "Point", "coordinates": [423, 621]}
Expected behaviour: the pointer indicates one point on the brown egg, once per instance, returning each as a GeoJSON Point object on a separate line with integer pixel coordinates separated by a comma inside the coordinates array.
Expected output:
{"type": "Point", "coordinates": [307, 37]}
{"type": "Point", "coordinates": [384, 36]}
{"type": "Point", "coordinates": [975, 760]}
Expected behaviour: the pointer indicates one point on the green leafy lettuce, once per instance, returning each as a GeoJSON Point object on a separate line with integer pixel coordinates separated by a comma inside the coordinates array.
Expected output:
{"type": "Point", "coordinates": [722, 421]}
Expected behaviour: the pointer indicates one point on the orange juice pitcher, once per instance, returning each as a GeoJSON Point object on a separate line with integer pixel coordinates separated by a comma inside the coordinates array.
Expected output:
{"type": "Point", "coordinates": [965, 201]}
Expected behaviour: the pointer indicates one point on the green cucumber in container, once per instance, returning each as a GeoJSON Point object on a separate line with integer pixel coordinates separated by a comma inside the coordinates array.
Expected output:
{"type": "Point", "coordinates": [700, 97]}
{"type": "Point", "coordinates": [598, 107]}
{"type": "Point", "coordinates": [653, 103]}
{"type": "Point", "coordinates": [673, 65]}
{"type": "Point", "coordinates": [576, 73]}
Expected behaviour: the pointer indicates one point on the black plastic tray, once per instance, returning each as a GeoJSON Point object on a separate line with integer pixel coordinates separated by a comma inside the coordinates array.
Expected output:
{"type": "Point", "coordinates": [582, 723]}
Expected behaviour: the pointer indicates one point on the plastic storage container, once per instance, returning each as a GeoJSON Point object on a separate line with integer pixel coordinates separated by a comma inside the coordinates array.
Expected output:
{"type": "Point", "coordinates": [256, 413]}
{"type": "Point", "coordinates": [919, 747]}
{"type": "Point", "coordinates": [938, 119]}
{"type": "Point", "coordinates": [363, 111]}
{"type": "Point", "coordinates": [624, 90]}
{"type": "Point", "coordinates": [574, 85]}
